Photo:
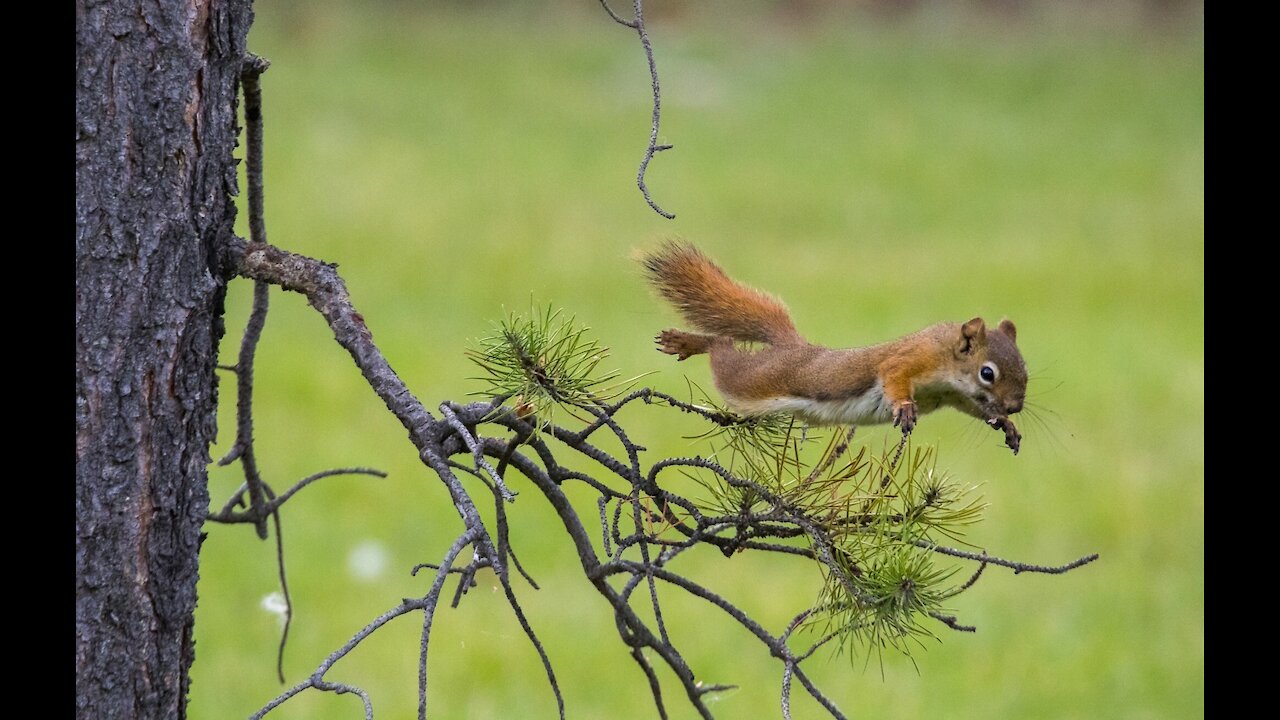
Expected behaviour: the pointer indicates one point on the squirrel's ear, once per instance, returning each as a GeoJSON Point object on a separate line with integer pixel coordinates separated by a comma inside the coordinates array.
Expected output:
{"type": "Point", "coordinates": [973, 334]}
{"type": "Point", "coordinates": [1007, 327]}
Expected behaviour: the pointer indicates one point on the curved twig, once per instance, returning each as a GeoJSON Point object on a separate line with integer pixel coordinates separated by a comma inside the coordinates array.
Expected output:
{"type": "Point", "coordinates": [228, 516]}
{"type": "Point", "coordinates": [637, 24]}
{"type": "Point", "coordinates": [1017, 567]}
{"type": "Point", "coordinates": [316, 680]}
{"type": "Point", "coordinates": [458, 427]}
{"type": "Point", "coordinates": [242, 450]}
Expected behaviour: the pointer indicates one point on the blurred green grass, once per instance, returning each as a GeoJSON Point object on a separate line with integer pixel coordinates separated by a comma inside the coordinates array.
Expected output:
{"type": "Point", "coordinates": [457, 160]}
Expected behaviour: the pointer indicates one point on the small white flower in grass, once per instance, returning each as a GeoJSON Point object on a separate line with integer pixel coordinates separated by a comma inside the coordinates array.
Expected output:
{"type": "Point", "coordinates": [274, 603]}
{"type": "Point", "coordinates": [367, 561]}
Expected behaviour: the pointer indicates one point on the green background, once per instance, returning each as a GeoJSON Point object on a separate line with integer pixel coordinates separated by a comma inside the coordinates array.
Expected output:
{"type": "Point", "coordinates": [880, 172]}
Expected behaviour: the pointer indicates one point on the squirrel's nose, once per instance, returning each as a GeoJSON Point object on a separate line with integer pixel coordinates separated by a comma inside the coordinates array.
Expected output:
{"type": "Point", "coordinates": [1013, 405]}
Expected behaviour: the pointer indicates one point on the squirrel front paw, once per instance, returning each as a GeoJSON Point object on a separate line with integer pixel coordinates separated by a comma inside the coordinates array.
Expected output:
{"type": "Point", "coordinates": [1012, 438]}
{"type": "Point", "coordinates": [904, 416]}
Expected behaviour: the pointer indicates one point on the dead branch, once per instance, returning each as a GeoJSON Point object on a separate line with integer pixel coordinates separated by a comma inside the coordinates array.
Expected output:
{"type": "Point", "coordinates": [638, 553]}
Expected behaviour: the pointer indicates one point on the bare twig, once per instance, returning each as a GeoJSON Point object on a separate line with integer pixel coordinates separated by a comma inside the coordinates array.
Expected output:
{"type": "Point", "coordinates": [654, 686]}
{"type": "Point", "coordinates": [317, 678]}
{"type": "Point", "coordinates": [951, 622]}
{"type": "Point", "coordinates": [972, 579]}
{"type": "Point", "coordinates": [251, 84]}
{"type": "Point", "coordinates": [284, 587]}
{"type": "Point", "coordinates": [533, 638]}
{"type": "Point", "coordinates": [836, 454]}
{"type": "Point", "coordinates": [637, 24]}
{"type": "Point", "coordinates": [242, 450]}
{"type": "Point", "coordinates": [228, 516]}
{"type": "Point", "coordinates": [428, 614]}
{"type": "Point", "coordinates": [789, 665]}
{"type": "Point", "coordinates": [467, 438]}
{"type": "Point", "coordinates": [616, 17]}
{"type": "Point", "coordinates": [1017, 567]}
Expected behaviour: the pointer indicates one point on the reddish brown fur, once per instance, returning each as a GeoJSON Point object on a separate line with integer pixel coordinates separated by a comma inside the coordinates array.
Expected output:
{"type": "Point", "coordinates": [934, 367]}
{"type": "Point", "coordinates": [698, 288]}
{"type": "Point", "coordinates": [820, 373]}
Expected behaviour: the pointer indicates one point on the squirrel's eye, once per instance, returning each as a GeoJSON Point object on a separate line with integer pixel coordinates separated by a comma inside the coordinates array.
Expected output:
{"type": "Point", "coordinates": [987, 373]}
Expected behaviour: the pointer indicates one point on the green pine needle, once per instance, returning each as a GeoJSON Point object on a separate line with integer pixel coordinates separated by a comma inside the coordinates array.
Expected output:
{"type": "Point", "coordinates": [543, 361]}
{"type": "Point", "coordinates": [894, 591]}
{"type": "Point", "coordinates": [869, 508]}
{"type": "Point", "coordinates": [887, 586]}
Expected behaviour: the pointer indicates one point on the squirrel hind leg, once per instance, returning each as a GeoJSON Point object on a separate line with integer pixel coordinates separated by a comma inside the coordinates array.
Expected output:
{"type": "Point", "coordinates": [682, 344]}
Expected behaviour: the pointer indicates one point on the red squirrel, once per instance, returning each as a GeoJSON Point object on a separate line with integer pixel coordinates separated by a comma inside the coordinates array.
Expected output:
{"type": "Point", "coordinates": [968, 366]}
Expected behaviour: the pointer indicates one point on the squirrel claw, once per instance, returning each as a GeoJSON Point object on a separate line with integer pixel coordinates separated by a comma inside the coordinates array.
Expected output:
{"type": "Point", "coordinates": [1012, 438]}
{"type": "Point", "coordinates": [904, 416]}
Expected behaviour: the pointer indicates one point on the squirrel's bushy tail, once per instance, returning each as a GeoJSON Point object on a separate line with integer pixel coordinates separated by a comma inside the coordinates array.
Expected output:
{"type": "Point", "coordinates": [712, 301]}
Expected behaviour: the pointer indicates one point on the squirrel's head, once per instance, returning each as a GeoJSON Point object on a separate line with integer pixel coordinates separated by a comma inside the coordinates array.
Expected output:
{"type": "Point", "coordinates": [996, 376]}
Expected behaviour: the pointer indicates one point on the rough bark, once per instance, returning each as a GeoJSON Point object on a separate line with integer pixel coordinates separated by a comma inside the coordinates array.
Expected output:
{"type": "Point", "coordinates": [156, 126]}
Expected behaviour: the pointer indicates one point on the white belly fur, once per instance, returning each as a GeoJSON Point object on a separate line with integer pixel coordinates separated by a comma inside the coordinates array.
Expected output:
{"type": "Point", "coordinates": [868, 408]}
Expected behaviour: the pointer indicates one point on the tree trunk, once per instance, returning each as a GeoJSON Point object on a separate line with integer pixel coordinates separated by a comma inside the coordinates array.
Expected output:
{"type": "Point", "coordinates": [156, 86]}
